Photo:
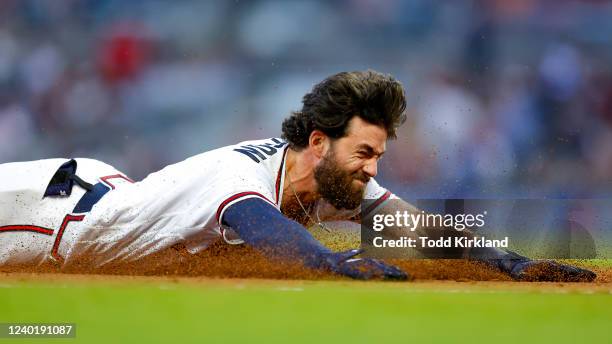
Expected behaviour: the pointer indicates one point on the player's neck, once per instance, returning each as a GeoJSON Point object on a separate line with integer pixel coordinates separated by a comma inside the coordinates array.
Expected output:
{"type": "Point", "coordinates": [299, 176]}
{"type": "Point", "coordinates": [299, 187]}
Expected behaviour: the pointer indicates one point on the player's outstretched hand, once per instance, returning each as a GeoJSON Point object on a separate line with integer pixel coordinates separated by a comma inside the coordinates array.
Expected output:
{"type": "Point", "coordinates": [522, 268]}
{"type": "Point", "coordinates": [345, 264]}
{"type": "Point", "coordinates": [550, 271]}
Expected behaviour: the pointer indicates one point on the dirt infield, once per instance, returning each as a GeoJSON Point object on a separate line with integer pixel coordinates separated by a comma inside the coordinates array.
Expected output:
{"type": "Point", "coordinates": [225, 261]}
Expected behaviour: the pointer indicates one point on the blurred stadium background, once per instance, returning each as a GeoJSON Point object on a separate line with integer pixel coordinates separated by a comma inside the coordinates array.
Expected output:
{"type": "Point", "coordinates": [507, 98]}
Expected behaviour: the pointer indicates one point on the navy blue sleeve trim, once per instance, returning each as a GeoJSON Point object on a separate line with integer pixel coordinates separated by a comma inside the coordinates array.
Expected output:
{"type": "Point", "coordinates": [233, 198]}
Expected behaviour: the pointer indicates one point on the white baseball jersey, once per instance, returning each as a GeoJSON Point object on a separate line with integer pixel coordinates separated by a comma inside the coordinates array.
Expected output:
{"type": "Point", "coordinates": [182, 203]}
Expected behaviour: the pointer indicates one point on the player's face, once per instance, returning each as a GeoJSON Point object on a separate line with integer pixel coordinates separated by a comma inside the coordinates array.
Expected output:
{"type": "Point", "coordinates": [350, 162]}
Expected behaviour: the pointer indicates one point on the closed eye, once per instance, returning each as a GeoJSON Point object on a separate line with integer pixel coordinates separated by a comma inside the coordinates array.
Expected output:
{"type": "Point", "coordinates": [368, 155]}
{"type": "Point", "coordinates": [367, 152]}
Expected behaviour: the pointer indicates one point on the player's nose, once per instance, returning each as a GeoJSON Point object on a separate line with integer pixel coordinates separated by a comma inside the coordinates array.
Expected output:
{"type": "Point", "coordinates": [371, 168]}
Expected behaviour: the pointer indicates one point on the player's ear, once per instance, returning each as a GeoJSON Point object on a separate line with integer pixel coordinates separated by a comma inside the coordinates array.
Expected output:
{"type": "Point", "coordinates": [319, 143]}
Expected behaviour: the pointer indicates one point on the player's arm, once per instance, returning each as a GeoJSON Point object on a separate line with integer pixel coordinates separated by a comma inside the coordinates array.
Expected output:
{"type": "Point", "coordinates": [517, 266]}
{"type": "Point", "coordinates": [263, 227]}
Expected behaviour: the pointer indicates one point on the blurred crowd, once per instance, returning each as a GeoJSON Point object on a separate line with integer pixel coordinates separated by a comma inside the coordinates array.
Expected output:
{"type": "Point", "coordinates": [507, 98]}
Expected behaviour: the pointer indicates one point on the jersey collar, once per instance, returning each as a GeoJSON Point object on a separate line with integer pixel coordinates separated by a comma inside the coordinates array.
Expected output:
{"type": "Point", "coordinates": [280, 178]}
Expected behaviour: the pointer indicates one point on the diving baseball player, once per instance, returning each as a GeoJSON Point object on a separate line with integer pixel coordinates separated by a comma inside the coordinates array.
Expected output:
{"type": "Point", "coordinates": [260, 193]}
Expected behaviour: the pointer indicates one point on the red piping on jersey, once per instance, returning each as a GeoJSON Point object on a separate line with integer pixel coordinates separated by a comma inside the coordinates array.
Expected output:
{"type": "Point", "coordinates": [67, 219]}
{"type": "Point", "coordinates": [279, 175]}
{"type": "Point", "coordinates": [114, 176]}
{"type": "Point", "coordinates": [27, 228]}
{"type": "Point", "coordinates": [235, 197]}
{"type": "Point", "coordinates": [377, 203]}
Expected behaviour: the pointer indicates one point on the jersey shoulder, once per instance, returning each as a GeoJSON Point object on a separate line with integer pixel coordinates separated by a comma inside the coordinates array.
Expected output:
{"type": "Point", "coordinates": [251, 162]}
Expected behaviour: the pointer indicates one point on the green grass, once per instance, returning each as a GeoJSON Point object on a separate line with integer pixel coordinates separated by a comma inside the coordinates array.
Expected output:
{"type": "Point", "coordinates": [162, 311]}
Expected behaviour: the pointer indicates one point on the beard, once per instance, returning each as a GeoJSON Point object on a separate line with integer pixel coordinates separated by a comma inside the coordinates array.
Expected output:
{"type": "Point", "coordinates": [335, 184]}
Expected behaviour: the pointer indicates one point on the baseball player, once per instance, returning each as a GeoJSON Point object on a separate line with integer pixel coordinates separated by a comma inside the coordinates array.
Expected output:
{"type": "Point", "coordinates": [260, 193]}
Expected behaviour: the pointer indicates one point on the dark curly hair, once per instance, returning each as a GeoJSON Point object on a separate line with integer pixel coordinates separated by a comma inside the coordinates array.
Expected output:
{"type": "Point", "coordinates": [375, 97]}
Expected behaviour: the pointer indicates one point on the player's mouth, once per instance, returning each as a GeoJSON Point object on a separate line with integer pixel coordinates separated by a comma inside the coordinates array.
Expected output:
{"type": "Point", "coordinates": [361, 178]}
{"type": "Point", "coordinates": [359, 181]}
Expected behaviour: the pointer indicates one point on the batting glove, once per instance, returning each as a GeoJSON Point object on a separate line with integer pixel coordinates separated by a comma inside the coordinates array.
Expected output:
{"type": "Point", "coordinates": [345, 264]}
{"type": "Point", "coordinates": [524, 269]}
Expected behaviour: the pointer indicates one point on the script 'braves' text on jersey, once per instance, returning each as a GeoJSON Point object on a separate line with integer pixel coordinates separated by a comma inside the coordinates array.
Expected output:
{"type": "Point", "coordinates": [182, 203]}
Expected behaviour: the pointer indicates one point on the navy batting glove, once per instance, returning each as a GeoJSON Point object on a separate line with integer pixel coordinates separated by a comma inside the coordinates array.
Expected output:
{"type": "Point", "coordinates": [345, 264]}
{"type": "Point", "coordinates": [524, 269]}
{"type": "Point", "coordinates": [550, 271]}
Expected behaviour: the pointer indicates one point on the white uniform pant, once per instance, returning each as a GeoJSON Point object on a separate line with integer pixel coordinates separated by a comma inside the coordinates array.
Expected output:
{"type": "Point", "coordinates": [32, 226]}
